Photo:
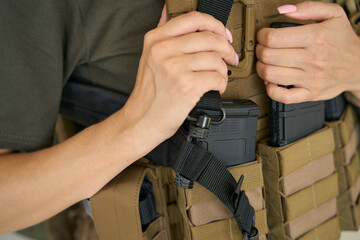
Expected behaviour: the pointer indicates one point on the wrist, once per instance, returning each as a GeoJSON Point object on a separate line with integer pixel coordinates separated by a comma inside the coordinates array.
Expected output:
{"type": "Point", "coordinates": [136, 135]}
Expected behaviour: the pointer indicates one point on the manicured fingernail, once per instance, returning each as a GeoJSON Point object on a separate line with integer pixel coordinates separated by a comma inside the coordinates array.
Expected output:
{"type": "Point", "coordinates": [266, 83]}
{"type": "Point", "coordinates": [237, 59]}
{"type": "Point", "coordinates": [229, 35]}
{"type": "Point", "coordinates": [287, 9]}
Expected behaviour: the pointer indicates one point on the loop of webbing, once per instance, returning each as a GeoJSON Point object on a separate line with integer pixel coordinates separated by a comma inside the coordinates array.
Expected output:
{"type": "Point", "coordinates": [219, 9]}
{"type": "Point", "coordinates": [196, 164]}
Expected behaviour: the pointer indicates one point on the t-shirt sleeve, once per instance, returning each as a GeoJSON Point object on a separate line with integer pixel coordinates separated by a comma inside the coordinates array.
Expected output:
{"type": "Point", "coordinates": [41, 43]}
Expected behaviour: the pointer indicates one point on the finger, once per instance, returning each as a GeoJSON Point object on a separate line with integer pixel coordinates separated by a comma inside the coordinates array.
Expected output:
{"type": "Point", "coordinates": [206, 42]}
{"type": "Point", "coordinates": [290, 37]}
{"type": "Point", "coordinates": [293, 57]}
{"type": "Point", "coordinates": [193, 22]}
{"type": "Point", "coordinates": [314, 11]}
{"type": "Point", "coordinates": [281, 75]}
{"type": "Point", "coordinates": [163, 18]}
{"type": "Point", "coordinates": [209, 81]}
{"type": "Point", "coordinates": [206, 61]}
{"type": "Point", "coordinates": [288, 96]}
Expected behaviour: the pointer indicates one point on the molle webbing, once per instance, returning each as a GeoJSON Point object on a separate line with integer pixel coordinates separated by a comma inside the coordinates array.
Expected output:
{"type": "Point", "coordinates": [115, 208]}
{"type": "Point", "coordinates": [299, 208]}
{"type": "Point", "coordinates": [347, 162]}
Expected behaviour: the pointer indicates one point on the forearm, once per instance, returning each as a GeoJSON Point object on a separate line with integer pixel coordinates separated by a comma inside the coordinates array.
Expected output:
{"type": "Point", "coordinates": [35, 186]}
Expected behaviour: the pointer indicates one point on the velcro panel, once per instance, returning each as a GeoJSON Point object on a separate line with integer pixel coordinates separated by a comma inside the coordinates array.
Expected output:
{"type": "Point", "coordinates": [354, 192]}
{"type": "Point", "coordinates": [329, 230]}
{"type": "Point", "coordinates": [353, 170]}
{"type": "Point", "coordinates": [253, 180]}
{"type": "Point", "coordinates": [311, 219]}
{"type": "Point", "coordinates": [309, 174]}
{"type": "Point", "coordinates": [301, 152]}
{"type": "Point", "coordinates": [311, 197]}
{"type": "Point", "coordinates": [226, 228]}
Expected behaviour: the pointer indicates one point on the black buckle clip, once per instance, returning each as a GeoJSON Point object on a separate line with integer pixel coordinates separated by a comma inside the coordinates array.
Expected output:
{"type": "Point", "coordinates": [213, 122]}
{"type": "Point", "coordinates": [237, 198]}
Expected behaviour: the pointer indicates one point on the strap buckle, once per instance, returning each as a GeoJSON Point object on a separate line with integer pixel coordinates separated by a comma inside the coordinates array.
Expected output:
{"type": "Point", "coordinates": [204, 121]}
{"type": "Point", "coordinates": [242, 212]}
{"type": "Point", "coordinates": [244, 68]}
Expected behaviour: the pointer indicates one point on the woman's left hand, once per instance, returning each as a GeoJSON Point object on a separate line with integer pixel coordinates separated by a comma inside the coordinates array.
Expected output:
{"type": "Point", "coordinates": [320, 60]}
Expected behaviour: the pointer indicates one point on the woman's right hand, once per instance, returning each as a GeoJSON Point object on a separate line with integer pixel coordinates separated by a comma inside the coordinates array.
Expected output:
{"type": "Point", "coordinates": [182, 59]}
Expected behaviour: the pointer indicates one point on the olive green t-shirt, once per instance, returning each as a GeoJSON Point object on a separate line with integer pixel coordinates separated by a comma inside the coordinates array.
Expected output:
{"type": "Point", "coordinates": [44, 43]}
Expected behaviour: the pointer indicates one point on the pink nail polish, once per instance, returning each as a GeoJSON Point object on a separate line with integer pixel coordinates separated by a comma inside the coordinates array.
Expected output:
{"type": "Point", "coordinates": [229, 35]}
{"type": "Point", "coordinates": [287, 9]}
{"type": "Point", "coordinates": [237, 59]}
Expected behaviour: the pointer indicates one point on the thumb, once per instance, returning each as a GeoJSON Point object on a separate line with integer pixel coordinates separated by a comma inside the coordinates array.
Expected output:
{"type": "Point", "coordinates": [163, 18]}
{"type": "Point", "coordinates": [314, 11]}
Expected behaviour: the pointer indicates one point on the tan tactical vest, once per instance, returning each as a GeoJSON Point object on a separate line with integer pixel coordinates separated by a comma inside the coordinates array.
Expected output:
{"type": "Point", "coordinates": [307, 190]}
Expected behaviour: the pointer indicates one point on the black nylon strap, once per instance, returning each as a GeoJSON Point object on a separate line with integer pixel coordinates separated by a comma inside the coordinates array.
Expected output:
{"type": "Point", "coordinates": [219, 9]}
{"type": "Point", "coordinates": [198, 165]}
{"type": "Point", "coordinates": [211, 101]}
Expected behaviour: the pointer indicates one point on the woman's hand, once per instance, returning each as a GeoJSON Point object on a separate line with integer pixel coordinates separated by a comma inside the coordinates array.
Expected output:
{"type": "Point", "coordinates": [320, 60]}
{"type": "Point", "coordinates": [182, 59]}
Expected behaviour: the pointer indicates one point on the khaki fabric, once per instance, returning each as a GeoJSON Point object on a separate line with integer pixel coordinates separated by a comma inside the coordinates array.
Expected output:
{"type": "Point", "coordinates": [346, 136]}
{"type": "Point", "coordinates": [199, 208]}
{"type": "Point", "coordinates": [299, 153]}
{"type": "Point", "coordinates": [71, 224]}
{"type": "Point", "coordinates": [311, 197]}
{"type": "Point", "coordinates": [311, 219]}
{"type": "Point", "coordinates": [263, 129]}
{"type": "Point", "coordinates": [329, 230]}
{"type": "Point", "coordinates": [161, 236]}
{"type": "Point", "coordinates": [356, 26]}
{"type": "Point", "coordinates": [348, 125]}
{"type": "Point", "coordinates": [353, 170]}
{"type": "Point", "coordinates": [253, 180]}
{"type": "Point", "coordinates": [116, 206]}
{"type": "Point", "coordinates": [352, 99]}
{"type": "Point", "coordinates": [347, 221]}
{"type": "Point", "coordinates": [215, 210]}
{"type": "Point", "coordinates": [226, 229]}
{"type": "Point", "coordinates": [308, 174]}
{"type": "Point", "coordinates": [356, 212]}
{"type": "Point", "coordinates": [351, 147]}
{"type": "Point", "coordinates": [354, 192]}
{"type": "Point", "coordinates": [156, 229]}
{"type": "Point", "coordinates": [279, 163]}
{"type": "Point", "coordinates": [305, 150]}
